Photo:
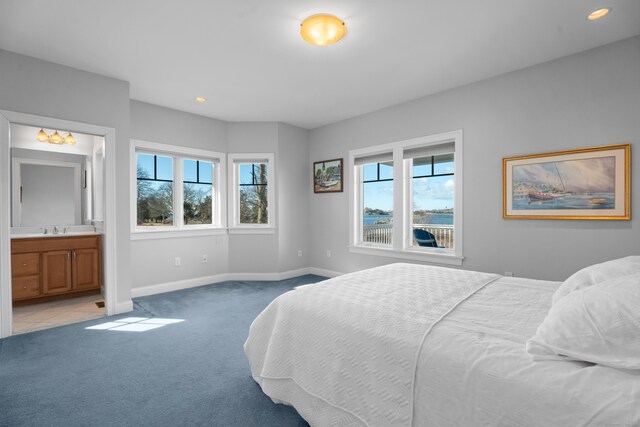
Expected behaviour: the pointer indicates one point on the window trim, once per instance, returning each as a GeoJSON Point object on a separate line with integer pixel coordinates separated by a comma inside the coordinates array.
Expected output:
{"type": "Point", "coordinates": [401, 246]}
{"type": "Point", "coordinates": [179, 154]}
{"type": "Point", "coordinates": [235, 227]}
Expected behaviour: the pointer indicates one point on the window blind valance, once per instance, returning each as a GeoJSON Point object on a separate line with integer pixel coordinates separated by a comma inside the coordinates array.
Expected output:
{"type": "Point", "coordinates": [429, 150]}
{"type": "Point", "coordinates": [374, 158]}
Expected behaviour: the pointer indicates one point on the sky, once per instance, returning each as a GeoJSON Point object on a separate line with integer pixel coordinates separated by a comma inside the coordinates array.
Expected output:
{"type": "Point", "coordinates": [428, 193]}
{"type": "Point", "coordinates": [593, 175]}
{"type": "Point", "coordinates": [165, 168]}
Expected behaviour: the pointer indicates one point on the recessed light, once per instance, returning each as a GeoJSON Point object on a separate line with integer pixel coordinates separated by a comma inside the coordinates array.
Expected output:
{"type": "Point", "coordinates": [200, 99]}
{"type": "Point", "coordinates": [597, 14]}
{"type": "Point", "coordinates": [322, 29]}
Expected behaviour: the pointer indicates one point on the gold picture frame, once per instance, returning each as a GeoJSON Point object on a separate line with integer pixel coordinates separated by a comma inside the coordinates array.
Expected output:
{"type": "Point", "coordinates": [586, 183]}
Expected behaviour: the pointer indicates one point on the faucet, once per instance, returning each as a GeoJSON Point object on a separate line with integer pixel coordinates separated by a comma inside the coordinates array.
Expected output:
{"type": "Point", "coordinates": [64, 230]}
{"type": "Point", "coordinates": [44, 230]}
{"type": "Point", "coordinates": [55, 229]}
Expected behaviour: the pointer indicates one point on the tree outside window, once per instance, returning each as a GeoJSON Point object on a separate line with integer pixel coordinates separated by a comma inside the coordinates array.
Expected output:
{"type": "Point", "coordinates": [253, 193]}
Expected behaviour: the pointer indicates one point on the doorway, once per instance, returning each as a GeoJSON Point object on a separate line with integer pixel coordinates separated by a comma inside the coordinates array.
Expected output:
{"type": "Point", "coordinates": [97, 220]}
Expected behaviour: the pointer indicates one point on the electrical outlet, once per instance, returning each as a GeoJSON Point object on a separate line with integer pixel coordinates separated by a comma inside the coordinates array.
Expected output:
{"type": "Point", "coordinates": [508, 273]}
{"type": "Point", "coordinates": [178, 261]}
{"type": "Point", "coordinates": [300, 252]}
{"type": "Point", "coordinates": [204, 259]}
{"type": "Point", "coordinates": [328, 253]}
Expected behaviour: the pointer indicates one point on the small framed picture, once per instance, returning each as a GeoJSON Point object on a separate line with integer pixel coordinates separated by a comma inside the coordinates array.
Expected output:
{"type": "Point", "coordinates": [587, 183]}
{"type": "Point", "coordinates": [327, 176]}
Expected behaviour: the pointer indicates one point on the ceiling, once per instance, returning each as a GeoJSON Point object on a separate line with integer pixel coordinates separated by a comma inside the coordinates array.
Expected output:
{"type": "Point", "coordinates": [247, 58]}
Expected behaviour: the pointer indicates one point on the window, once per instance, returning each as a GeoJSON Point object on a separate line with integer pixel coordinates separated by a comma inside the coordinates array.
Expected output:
{"type": "Point", "coordinates": [252, 181]}
{"type": "Point", "coordinates": [377, 199]}
{"type": "Point", "coordinates": [432, 190]}
{"type": "Point", "coordinates": [197, 192]}
{"type": "Point", "coordinates": [177, 189]}
{"type": "Point", "coordinates": [406, 199]}
{"type": "Point", "coordinates": [155, 190]}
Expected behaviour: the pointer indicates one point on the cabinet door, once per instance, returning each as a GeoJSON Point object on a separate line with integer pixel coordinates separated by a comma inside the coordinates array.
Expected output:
{"type": "Point", "coordinates": [56, 272]}
{"type": "Point", "coordinates": [86, 269]}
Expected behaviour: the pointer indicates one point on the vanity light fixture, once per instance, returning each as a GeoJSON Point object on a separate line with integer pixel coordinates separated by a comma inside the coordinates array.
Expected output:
{"type": "Point", "coordinates": [55, 138]}
{"type": "Point", "coordinates": [597, 14]}
{"type": "Point", "coordinates": [322, 29]}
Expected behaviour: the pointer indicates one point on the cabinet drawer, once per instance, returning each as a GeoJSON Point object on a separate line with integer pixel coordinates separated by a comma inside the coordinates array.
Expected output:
{"type": "Point", "coordinates": [25, 264]}
{"type": "Point", "coordinates": [25, 287]}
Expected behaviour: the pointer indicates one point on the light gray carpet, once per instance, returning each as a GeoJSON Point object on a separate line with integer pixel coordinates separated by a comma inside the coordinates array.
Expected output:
{"type": "Point", "coordinates": [192, 373]}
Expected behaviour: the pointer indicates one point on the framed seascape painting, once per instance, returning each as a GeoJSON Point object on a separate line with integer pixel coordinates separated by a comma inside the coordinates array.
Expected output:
{"type": "Point", "coordinates": [327, 176]}
{"type": "Point", "coordinates": [587, 183]}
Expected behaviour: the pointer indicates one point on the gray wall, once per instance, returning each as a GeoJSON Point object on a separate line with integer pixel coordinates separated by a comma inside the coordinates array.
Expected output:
{"type": "Point", "coordinates": [153, 260]}
{"type": "Point", "coordinates": [293, 182]}
{"type": "Point", "coordinates": [30, 85]}
{"type": "Point", "coordinates": [588, 99]}
{"type": "Point", "coordinates": [254, 253]}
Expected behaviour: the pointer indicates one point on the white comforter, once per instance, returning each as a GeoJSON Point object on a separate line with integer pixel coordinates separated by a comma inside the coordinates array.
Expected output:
{"type": "Point", "coordinates": [354, 341]}
{"type": "Point", "coordinates": [472, 368]}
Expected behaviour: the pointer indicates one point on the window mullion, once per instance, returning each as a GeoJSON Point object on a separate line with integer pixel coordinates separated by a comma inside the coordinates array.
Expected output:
{"type": "Point", "coordinates": [407, 237]}
{"type": "Point", "coordinates": [178, 193]}
{"type": "Point", "coordinates": [360, 205]}
{"type": "Point", "coordinates": [398, 200]}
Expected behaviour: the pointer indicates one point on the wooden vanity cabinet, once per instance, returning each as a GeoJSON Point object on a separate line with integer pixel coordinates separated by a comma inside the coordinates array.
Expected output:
{"type": "Point", "coordinates": [53, 266]}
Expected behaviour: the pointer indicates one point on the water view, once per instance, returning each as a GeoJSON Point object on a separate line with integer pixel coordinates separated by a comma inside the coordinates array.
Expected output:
{"type": "Point", "coordinates": [569, 201]}
{"type": "Point", "coordinates": [440, 219]}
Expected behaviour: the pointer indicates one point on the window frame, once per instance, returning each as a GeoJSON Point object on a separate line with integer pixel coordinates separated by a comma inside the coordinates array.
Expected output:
{"type": "Point", "coordinates": [178, 155]}
{"type": "Point", "coordinates": [235, 226]}
{"type": "Point", "coordinates": [402, 237]}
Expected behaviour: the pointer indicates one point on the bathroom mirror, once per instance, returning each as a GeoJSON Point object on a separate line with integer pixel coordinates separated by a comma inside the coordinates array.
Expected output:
{"type": "Point", "coordinates": [45, 192]}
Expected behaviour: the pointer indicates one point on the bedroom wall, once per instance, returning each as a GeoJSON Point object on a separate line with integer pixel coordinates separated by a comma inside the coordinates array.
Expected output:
{"type": "Point", "coordinates": [254, 253]}
{"type": "Point", "coordinates": [588, 99]}
{"type": "Point", "coordinates": [152, 260]}
{"type": "Point", "coordinates": [34, 86]}
{"type": "Point", "coordinates": [294, 187]}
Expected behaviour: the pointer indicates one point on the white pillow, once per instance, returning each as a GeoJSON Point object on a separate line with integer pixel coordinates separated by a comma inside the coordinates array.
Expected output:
{"type": "Point", "coordinates": [598, 324]}
{"type": "Point", "coordinates": [597, 273]}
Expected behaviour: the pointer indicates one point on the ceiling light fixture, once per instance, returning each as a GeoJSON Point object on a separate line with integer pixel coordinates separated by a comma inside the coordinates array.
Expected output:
{"type": "Point", "coordinates": [55, 138]}
{"type": "Point", "coordinates": [200, 99]}
{"type": "Point", "coordinates": [597, 14]}
{"type": "Point", "coordinates": [322, 29]}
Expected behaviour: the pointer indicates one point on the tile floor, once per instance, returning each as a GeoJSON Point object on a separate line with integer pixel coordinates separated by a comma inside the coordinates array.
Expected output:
{"type": "Point", "coordinates": [46, 315]}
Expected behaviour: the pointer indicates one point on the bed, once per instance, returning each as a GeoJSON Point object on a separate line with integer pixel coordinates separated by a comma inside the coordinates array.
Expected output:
{"type": "Point", "coordinates": [412, 345]}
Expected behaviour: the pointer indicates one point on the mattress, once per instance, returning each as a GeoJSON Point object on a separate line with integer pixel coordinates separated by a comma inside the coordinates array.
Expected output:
{"type": "Point", "coordinates": [471, 369]}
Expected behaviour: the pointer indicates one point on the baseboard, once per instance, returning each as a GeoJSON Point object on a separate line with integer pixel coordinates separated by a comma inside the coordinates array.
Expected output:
{"type": "Point", "coordinates": [160, 288]}
{"type": "Point", "coordinates": [269, 276]}
{"type": "Point", "coordinates": [124, 307]}
{"type": "Point", "coordinates": [323, 272]}
{"type": "Point", "coordinates": [144, 291]}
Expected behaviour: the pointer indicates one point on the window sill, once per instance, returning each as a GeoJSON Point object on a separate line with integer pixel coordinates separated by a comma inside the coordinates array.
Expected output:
{"type": "Point", "coordinates": [441, 256]}
{"type": "Point", "coordinates": [176, 233]}
{"type": "Point", "coordinates": [252, 230]}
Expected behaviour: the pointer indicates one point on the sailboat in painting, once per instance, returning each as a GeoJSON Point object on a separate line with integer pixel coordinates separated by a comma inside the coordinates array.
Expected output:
{"type": "Point", "coordinates": [594, 200]}
{"type": "Point", "coordinates": [541, 196]}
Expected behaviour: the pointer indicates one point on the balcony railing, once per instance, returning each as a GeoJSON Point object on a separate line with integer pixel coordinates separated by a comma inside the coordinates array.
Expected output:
{"type": "Point", "coordinates": [381, 233]}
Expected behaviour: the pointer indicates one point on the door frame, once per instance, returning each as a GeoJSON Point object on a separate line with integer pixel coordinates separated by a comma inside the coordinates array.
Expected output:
{"type": "Point", "coordinates": [109, 205]}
